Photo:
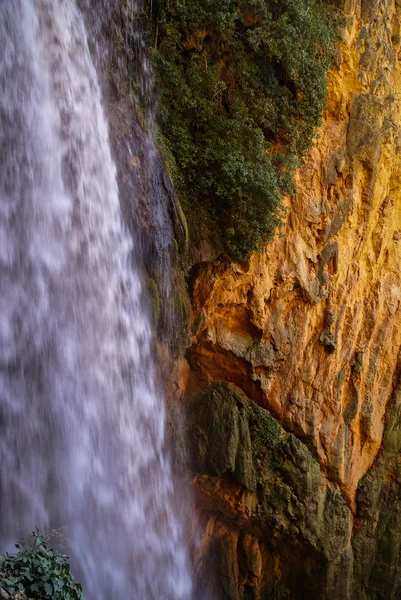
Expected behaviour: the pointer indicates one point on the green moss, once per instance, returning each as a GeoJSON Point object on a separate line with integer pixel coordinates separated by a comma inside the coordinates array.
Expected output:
{"type": "Point", "coordinates": [242, 88]}
{"type": "Point", "coordinates": [183, 223]}
{"type": "Point", "coordinates": [182, 309]}
{"type": "Point", "coordinates": [270, 429]}
{"type": "Point", "coordinates": [267, 432]}
{"type": "Point", "coordinates": [154, 293]}
{"type": "Point", "coordinates": [361, 480]}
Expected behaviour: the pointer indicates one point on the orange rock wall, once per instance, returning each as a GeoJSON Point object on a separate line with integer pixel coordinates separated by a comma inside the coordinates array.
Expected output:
{"type": "Point", "coordinates": [310, 328]}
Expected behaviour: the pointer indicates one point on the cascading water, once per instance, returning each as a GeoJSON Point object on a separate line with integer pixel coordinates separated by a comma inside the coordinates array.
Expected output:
{"type": "Point", "coordinates": [82, 422]}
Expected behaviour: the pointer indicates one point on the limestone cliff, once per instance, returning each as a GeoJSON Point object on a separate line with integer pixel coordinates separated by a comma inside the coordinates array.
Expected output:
{"type": "Point", "coordinates": [309, 329]}
{"type": "Point", "coordinates": [291, 378]}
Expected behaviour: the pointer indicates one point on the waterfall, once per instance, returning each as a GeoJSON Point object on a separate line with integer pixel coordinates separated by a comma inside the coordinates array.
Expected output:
{"type": "Point", "coordinates": [82, 421]}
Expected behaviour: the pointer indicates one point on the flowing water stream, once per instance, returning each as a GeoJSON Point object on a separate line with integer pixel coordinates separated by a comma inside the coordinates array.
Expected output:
{"type": "Point", "coordinates": [82, 422]}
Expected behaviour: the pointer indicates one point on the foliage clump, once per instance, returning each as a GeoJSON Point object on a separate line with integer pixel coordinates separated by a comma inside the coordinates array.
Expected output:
{"type": "Point", "coordinates": [242, 88]}
{"type": "Point", "coordinates": [268, 433]}
{"type": "Point", "coordinates": [38, 572]}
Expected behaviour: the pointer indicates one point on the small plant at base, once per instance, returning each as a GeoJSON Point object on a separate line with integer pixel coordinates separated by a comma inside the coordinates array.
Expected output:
{"type": "Point", "coordinates": [38, 572]}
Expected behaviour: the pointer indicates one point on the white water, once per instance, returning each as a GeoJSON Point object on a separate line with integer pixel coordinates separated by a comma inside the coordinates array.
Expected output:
{"type": "Point", "coordinates": [82, 422]}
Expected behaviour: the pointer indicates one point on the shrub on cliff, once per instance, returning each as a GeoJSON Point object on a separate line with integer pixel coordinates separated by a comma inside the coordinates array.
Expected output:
{"type": "Point", "coordinates": [242, 89]}
{"type": "Point", "coordinates": [38, 572]}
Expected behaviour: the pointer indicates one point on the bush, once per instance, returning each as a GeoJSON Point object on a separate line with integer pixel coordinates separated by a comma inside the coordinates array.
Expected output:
{"type": "Point", "coordinates": [242, 87]}
{"type": "Point", "coordinates": [38, 572]}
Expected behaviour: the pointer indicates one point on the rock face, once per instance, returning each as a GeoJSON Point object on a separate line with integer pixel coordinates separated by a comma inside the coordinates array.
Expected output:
{"type": "Point", "coordinates": [377, 531]}
{"type": "Point", "coordinates": [291, 378]}
{"type": "Point", "coordinates": [288, 517]}
{"type": "Point", "coordinates": [310, 330]}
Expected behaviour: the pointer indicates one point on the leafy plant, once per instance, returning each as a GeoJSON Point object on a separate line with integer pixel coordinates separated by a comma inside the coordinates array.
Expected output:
{"type": "Point", "coordinates": [39, 572]}
{"type": "Point", "coordinates": [242, 87]}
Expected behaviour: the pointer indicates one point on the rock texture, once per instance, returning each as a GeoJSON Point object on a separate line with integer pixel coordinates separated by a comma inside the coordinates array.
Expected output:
{"type": "Point", "coordinates": [310, 327]}
{"type": "Point", "coordinates": [288, 518]}
{"type": "Point", "coordinates": [377, 531]}
{"type": "Point", "coordinates": [310, 330]}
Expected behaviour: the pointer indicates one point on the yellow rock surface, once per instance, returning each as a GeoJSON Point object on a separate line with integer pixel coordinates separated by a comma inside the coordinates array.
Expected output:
{"type": "Point", "coordinates": [311, 327]}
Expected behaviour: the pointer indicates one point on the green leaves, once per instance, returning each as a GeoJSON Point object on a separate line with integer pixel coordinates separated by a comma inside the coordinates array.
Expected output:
{"type": "Point", "coordinates": [39, 572]}
{"type": "Point", "coordinates": [242, 88]}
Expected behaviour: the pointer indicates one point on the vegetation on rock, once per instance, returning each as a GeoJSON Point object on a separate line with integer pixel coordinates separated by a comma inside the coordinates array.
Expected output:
{"type": "Point", "coordinates": [269, 486]}
{"type": "Point", "coordinates": [242, 89]}
{"type": "Point", "coordinates": [38, 572]}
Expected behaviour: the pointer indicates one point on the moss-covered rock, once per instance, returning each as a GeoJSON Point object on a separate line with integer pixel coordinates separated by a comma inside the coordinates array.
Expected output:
{"type": "Point", "coordinates": [377, 538]}
{"type": "Point", "coordinates": [279, 494]}
{"type": "Point", "coordinates": [221, 438]}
